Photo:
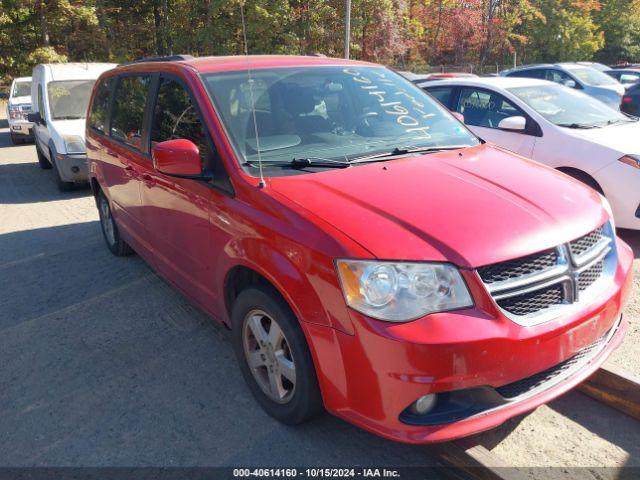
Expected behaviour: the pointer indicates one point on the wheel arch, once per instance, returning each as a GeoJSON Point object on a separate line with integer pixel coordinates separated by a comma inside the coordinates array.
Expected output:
{"type": "Point", "coordinates": [582, 176]}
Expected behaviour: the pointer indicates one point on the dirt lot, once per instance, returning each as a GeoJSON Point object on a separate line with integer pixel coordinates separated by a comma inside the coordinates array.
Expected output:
{"type": "Point", "coordinates": [104, 364]}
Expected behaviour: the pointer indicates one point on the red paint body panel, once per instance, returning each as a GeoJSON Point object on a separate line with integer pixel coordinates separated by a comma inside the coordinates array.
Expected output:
{"type": "Point", "coordinates": [475, 208]}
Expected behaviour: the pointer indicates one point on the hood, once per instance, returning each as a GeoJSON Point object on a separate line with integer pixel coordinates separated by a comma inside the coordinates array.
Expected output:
{"type": "Point", "coordinates": [623, 138]}
{"type": "Point", "coordinates": [617, 88]}
{"type": "Point", "coordinates": [473, 207]}
{"type": "Point", "coordinates": [69, 127]}
{"type": "Point", "coordinates": [24, 100]}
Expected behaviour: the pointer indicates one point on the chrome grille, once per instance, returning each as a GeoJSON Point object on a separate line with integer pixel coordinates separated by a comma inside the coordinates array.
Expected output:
{"type": "Point", "coordinates": [531, 302]}
{"type": "Point", "coordinates": [530, 289]}
{"type": "Point", "coordinates": [500, 272]}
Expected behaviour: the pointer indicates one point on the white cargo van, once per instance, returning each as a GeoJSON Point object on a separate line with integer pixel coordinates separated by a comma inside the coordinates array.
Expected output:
{"type": "Point", "coordinates": [18, 108]}
{"type": "Point", "coordinates": [60, 94]}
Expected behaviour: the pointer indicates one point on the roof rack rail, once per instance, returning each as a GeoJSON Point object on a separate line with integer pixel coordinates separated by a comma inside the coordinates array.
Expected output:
{"type": "Point", "coordinates": [167, 58]}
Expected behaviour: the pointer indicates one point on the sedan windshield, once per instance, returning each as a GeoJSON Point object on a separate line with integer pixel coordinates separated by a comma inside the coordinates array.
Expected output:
{"type": "Point", "coordinates": [591, 76]}
{"type": "Point", "coordinates": [68, 99]}
{"type": "Point", "coordinates": [567, 107]}
{"type": "Point", "coordinates": [21, 89]}
{"type": "Point", "coordinates": [329, 114]}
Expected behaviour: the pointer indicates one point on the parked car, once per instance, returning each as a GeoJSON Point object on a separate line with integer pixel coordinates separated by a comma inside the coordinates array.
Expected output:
{"type": "Point", "coordinates": [18, 107]}
{"type": "Point", "coordinates": [557, 126]}
{"type": "Point", "coordinates": [440, 76]}
{"type": "Point", "coordinates": [631, 101]}
{"type": "Point", "coordinates": [368, 252]}
{"type": "Point", "coordinates": [60, 93]}
{"type": "Point", "coordinates": [591, 81]}
{"type": "Point", "coordinates": [626, 76]}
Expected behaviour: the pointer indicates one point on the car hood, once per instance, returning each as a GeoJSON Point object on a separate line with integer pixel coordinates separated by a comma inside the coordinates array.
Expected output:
{"type": "Point", "coordinates": [20, 100]}
{"type": "Point", "coordinates": [472, 207]}
{"type": "Point", "coordinates": [69, 127]}
{"type": "Point", "coordinates": [623, 138]}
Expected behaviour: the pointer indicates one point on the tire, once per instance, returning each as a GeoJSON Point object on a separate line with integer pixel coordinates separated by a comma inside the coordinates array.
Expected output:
{"type": "Point", "coordinates": [15, 139]}
{"type": "Point", "coordinates": [42, 160]}
{"type": "Point", "coordinates": [293, 403]}
{"type": "Point", "coordinates": [63, 185]}
{"type": "Point", "coordinates": [110, 232]}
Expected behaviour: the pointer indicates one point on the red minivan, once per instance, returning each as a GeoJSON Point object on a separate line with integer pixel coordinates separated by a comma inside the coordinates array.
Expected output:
{"type": "Point", "coordinates": [371, 256]}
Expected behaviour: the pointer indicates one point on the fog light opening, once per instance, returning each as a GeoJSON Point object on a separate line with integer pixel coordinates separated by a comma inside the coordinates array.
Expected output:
{"type": "Point", "coordinates": [75, 169]}
{"type": "Point", "coordinates": [424, 404]}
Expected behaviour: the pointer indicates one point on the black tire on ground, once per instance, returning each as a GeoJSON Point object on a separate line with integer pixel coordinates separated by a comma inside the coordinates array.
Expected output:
{"type": "Point", "coordinates": [63, 186]}
{"type": "Point", "coordinates": [42, 160]}
{"type": "Point", "coordinates": [15, 139]}
{"type": "Point", "coordinates": [305, 402]}
{"type": "Point", "coordinates": [110, 232]}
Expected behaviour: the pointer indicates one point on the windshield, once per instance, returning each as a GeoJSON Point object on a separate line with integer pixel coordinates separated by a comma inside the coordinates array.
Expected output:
{"type": "Point", "coordinates": [591, 76]}
{"type": "Point", "coordinates": [68, 99]}
{"type": "Point", "coordinates": [565, 106]}
{"type": "Point", "coordinates": [21, 89]}
{"type": "Point", "coordinates": [334, 112]}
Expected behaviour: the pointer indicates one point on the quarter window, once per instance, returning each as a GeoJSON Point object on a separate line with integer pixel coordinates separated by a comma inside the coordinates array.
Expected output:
{"type": "Point", "coordinates": [442, 94]}
{"type": "Point", "coordinates": [100, 106]}
{"type": "Point", "coordinates": [130, 100]}
{"type": "Point", "coordinates": [482, 108]}
{"type": "Point", "coordinates": [175, 116]}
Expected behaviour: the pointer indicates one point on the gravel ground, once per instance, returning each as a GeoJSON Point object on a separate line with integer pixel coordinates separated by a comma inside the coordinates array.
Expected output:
{"type": "Point", "coordinates": [106, 365]}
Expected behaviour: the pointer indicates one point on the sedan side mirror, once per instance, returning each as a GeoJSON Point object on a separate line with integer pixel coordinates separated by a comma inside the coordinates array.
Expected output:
{"type": "Point", "coordinates": [569, 83]}
{"type": "Point", "coordinates": [516, 123]}
{"type": "Point", "coordinates": [180, 158]}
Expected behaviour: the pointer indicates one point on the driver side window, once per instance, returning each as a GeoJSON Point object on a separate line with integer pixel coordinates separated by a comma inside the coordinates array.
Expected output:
{"type": "Point", "coordinates": [175, 116]}
{"type": "Point", "coordinates": [482, 108]}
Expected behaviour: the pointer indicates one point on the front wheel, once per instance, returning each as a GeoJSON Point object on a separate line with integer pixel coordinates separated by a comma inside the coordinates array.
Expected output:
{"type": "Point", "coordinates": [274, 356]}
{"type": "Point", "coordinates": [42, 160]}
{"type": "Point", "coordinates": [116, 245]}
{"type": "Point", "coordinates": [15, 139]}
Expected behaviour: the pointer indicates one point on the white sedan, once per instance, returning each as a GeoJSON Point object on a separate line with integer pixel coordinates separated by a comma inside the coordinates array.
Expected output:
{"type": "Point", "coordinates": [557, 126]}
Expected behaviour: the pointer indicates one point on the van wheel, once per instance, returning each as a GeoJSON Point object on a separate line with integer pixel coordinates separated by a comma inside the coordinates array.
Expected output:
{"type": "Point", "coordinates": [116, 245]}
{"type": "Point", "coordinates": [42, 160]}
{"type": "Point", "coordinates": [63, 186]}
{"type": "Point", "coordinates": [274, 356]}
{"type": "Point", "coordinates": [15, 139]}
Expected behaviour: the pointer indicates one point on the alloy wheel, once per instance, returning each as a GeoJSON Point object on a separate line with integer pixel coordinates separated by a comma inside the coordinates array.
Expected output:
{"type": "Point", "coordinates": [268, 355]}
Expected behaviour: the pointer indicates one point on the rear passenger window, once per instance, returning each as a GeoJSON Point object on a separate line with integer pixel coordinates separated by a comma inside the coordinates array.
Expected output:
{"type": "Point", "coordinates": [130, 101]}
{"type": "Point", "coordinates": [100, 106]}
{"type": "Point", "coordinates": [175, 116]}
{"type": "Point", "coordinates": [442, 94]}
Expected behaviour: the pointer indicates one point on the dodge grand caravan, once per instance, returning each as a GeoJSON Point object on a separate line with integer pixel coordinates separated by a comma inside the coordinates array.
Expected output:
{"type": "Point", "coordinates": [371, 256]}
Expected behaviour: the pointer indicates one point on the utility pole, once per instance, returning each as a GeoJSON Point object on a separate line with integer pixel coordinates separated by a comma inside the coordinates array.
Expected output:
{"type": "Point", "coordinates": [347, 28]}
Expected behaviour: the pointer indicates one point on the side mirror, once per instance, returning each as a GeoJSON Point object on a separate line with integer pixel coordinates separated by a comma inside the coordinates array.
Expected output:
{"type": "Point", "coordinates": [35, 118]}
{"type": "Point", "coordinates": [517, 123]}
{"type": "Point", "coordinates": [180, 158]}
{"type": "Point", "coordinates": [458, 116]}
{"type": "Point", "coordinates": [569, 83]}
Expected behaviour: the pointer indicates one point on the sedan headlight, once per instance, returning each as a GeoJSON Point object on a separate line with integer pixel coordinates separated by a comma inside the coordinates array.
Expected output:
{"type": "Point", "coordinates": [631, 160]}
{"type": "Point", "coordinates": [74, 144]}
{"type": "Point", "coordinates": [400, 292]}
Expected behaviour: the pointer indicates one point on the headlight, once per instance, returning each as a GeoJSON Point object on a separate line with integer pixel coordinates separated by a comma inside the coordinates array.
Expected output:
{"type": "Point", "coordinates": [631, 160]}
{"type": "Point", "coordinates": [400, 292]}
{"type": "Point", "coordinates": [74, 144]}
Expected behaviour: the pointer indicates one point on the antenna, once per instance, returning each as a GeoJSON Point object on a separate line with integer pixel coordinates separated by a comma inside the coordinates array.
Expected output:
{"type": "Point", "coordinates": [253, 105]}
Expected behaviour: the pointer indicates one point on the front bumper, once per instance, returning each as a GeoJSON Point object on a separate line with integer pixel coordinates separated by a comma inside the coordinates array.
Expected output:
{"type": "Point", "coordinates": [370, 378]}
{"type": "Point", "coordinates": [73, 167]}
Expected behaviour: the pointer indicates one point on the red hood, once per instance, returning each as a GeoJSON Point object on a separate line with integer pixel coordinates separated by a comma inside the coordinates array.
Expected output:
{"type": "Point", "coordinates": [479, 207]}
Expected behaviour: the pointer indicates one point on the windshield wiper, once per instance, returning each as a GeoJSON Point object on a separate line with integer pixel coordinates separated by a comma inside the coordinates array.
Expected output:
{"type": "Point", "coordinates": [405, 151]}
{"type": "Point", "coordinates": [303, 162]}
{"type": "Point", "coordinates": [584, 126]}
